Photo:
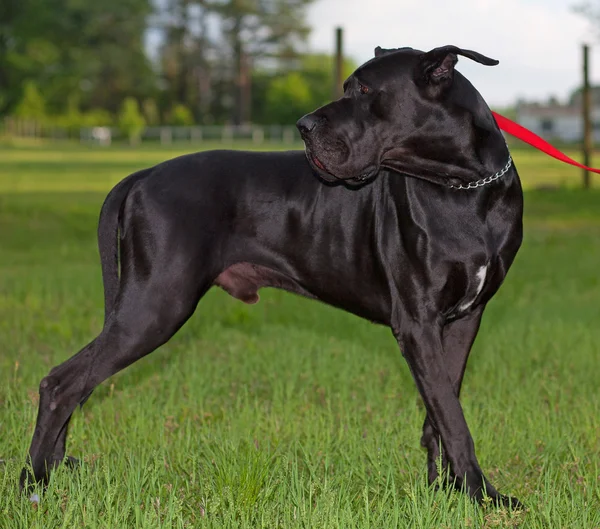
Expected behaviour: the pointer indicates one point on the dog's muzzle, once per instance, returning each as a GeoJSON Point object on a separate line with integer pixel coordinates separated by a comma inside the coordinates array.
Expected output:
{"type": "Point", "coordinates": [308, 123]}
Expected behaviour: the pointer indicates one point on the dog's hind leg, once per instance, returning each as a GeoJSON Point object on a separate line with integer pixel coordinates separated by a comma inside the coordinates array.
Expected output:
{"type": "Point", "coordinates": [150, 307]}
{"type": "Point", "coordinates": [457, 339]}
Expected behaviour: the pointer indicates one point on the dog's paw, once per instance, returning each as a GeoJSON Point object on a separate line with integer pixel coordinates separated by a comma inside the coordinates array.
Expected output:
{"type": "Point", "coordinates": [26, 481]}
{"type": "Point", "coordinates": [71, 462]}
{"type": "Point", "coordinates": [494, 498]}
{"type": "Point", "coordinates": [509, 502]}
{"type": "Point", "coordinates": [482, 491]}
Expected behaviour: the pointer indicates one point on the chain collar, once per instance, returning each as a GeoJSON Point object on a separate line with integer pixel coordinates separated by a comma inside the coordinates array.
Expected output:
{"type": "Point", "coordinates": [487, 180]}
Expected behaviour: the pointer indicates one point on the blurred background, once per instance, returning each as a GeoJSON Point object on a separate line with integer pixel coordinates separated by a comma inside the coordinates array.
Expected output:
{"type": "Point", "coordinates": [194, 70]}
{"type": "Point", "coordinates": [67, 66]}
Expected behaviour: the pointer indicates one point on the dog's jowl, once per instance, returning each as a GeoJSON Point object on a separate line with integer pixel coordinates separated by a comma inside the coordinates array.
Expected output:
{"type": "Point", "coordinates": [405, 208]}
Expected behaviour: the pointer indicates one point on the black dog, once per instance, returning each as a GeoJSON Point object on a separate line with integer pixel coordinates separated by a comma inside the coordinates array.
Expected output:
{"type": "Point", "coordinates": [415, 227]}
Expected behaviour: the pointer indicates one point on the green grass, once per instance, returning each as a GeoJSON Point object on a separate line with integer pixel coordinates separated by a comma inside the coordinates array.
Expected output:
{"type": "Point", "coordinates": [290, 413]}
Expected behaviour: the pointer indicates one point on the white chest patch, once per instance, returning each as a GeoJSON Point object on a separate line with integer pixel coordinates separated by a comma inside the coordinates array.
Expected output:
{"type": "Point", "coordinates": [481, 275]}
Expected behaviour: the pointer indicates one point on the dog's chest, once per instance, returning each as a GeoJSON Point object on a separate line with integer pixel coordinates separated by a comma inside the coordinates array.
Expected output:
{"type": "Point", "coordinates": [474, 289]}
{"type": "Point", "coordinates": [467, 295]}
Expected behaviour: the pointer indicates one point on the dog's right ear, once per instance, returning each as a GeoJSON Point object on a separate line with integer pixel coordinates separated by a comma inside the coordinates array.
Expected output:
{"type": "Point", "coordinates": [437, 65]}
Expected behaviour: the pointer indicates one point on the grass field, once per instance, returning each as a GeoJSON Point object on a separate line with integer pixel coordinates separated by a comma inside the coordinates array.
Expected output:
{"type": "Point", "coordinates": [290, 413]}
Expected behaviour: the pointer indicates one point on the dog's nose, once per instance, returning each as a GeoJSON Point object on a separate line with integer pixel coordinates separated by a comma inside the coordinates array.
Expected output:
{"type": "Point", "coordinates": [307, 123]}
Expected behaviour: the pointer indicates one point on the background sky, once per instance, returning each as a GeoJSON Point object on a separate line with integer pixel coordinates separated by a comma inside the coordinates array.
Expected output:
{"type": "Point", "coordinates": [538, 42]}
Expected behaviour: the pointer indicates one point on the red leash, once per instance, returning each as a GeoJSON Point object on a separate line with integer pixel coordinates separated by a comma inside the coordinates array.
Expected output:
{"type": "Point", "coordinates": [516, 130]}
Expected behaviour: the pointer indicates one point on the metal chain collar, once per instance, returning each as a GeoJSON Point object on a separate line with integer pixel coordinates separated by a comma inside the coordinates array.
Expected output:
{"type": "Point", "coordinates": [487, 180]}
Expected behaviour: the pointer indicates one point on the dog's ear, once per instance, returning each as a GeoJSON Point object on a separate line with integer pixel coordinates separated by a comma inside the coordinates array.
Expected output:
{"type": "Point", "coordinates": [379, 51]}
{"type": "Point", "coordinates": [437, 65]}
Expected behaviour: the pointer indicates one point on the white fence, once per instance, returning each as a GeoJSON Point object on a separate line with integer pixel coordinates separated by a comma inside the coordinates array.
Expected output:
{"type": "Point", "coordinates": [256, 134]}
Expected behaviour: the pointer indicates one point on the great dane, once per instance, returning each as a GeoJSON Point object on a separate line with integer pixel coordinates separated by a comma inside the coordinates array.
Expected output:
{"type": "Point", "coordinates": [405, 209]}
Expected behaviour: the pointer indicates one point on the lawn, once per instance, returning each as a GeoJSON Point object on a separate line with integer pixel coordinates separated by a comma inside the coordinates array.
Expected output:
{"type": "Point", "coordinates": [290, 413]}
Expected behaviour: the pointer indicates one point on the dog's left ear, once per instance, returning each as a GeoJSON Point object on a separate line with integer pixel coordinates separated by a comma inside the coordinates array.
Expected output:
{"type": "Point", "coordinates": [379, 51]}
{"type": "Point", "coordinates": [438, 64]}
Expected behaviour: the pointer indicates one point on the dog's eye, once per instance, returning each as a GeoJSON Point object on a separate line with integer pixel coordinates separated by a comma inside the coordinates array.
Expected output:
{"type": "Point", "coordinates": [363, 89]}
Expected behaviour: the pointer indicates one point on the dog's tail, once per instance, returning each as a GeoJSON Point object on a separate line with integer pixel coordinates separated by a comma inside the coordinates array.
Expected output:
{"type": "Point", "coordinates": [108, 242]}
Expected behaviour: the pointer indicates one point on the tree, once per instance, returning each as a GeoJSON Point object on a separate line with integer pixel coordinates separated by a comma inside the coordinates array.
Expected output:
{"type": "Point", "coordinates": [184, 55]}
{"type": "Point", "coordinates": [314, 75]}
{"type": "Point", "coordinates": [23, 49]}
{"type": "Point", "coordinates": [131, 122]}
{"type": "Point", "coordinates": [257, 31]}
{"type": "Point", "coordinates": [216, 58]}
{"type": "Point", "coordinates": [112, 60]}
{"type": "Point", "coordinates": [589, 9]}
{"type": "Point", "coordinates": [150, 111]}
{"type": "Point", "coordinates": [318, 69]}
{"type": "Point", "coordinates": [289, 98]}
{"type": "Point", "coordinates": [89, 49]}
{"type": "Point", "coordinates": [32, 105]}
{"type": "Point", "coordinates": [181, 116]}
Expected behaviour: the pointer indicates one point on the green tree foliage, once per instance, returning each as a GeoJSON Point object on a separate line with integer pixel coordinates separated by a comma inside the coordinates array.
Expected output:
{"type": "Point", "coordinates": [181, 116]}
{"type": "Point", "coordinates": [32, 104]}
{"type": "Point", "coordinates": [116, 64]}
{"type": "Point", "coordinates": [256, 31]}
{"type": "Point", "coordinates": [22, 49]}
{"type": "Point", "coordinates": [73, 118]}
{"type": "Point", "coordinates": [318, 70]}
{"type": "Point", "coordinates": [94, 50]}
{"type": "Point", "coordinates": [288, 98]}
{"type": "Point", "coordinates": [184, 55]}
{"type": "Point", "coordinates": [283, 99]}
{"type": "Point", "coordinates": [150, 111]}
{"type": "Point", "coordinates": [131, 121]}
{"type": "Point", "coordinates": [209, 62]}
{"type": "Point", "coordinates": [96, 117]}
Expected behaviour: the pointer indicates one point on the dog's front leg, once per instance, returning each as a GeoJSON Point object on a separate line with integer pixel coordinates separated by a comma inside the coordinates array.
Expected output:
{"type": "Point", "coordinates": [457, 339]}
{"type": "Point", "coordinates": [422, 347]}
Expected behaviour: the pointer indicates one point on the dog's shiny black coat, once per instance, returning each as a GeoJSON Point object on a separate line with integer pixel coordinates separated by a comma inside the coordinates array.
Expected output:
{"type": "Point", "coordinates": [366, 220]}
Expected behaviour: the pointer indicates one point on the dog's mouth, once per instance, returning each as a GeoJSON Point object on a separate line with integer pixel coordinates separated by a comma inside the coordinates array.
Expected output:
{"type": "Point", "coordinates": [368, 174]}
{"type": "Point", "coordinates": [318, 163]}
{"type": "Point", "coordinates": [319, 167]}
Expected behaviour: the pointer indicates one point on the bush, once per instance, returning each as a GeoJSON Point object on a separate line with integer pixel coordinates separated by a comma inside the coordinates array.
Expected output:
{"type": "Point", "coordinates": [96, 117]}
{"type": "Point", "coordinates": [289, 98]}
{"type": "Point", "coordinates": [151, 113]}
{"type": "Point", "coordinates": [130, 120]}
{"type": "Point", "coordinates": [181, 116]}
{"type": "Point", "coordinates": [32, 104]}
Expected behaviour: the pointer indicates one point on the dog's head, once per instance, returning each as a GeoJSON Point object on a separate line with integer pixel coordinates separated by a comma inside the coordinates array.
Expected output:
{"type": "Point", "coordinates": [404, 110]}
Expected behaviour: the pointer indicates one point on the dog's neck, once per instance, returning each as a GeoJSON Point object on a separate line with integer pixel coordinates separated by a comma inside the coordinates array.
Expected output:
{"type": "Point", "coordinates": [474, 184]}
{"type": "Point", "coordinates": [459, 168]}
{"type": "Point", "coordinates": [474, 155]}
{"type": "Point", "coordinates": [485, 139]}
